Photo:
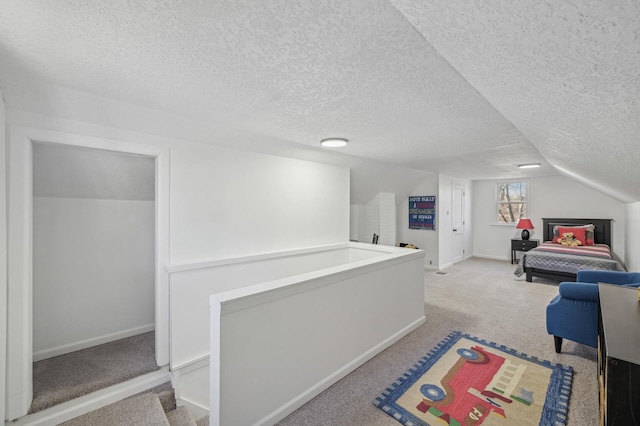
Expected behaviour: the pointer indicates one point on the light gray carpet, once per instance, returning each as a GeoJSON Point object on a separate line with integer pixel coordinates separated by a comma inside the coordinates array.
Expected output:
{"type": "Point", "coordinates": [181, 416]}
{"type": "Point", "coordinates": [144, 409]}
{"type": "Point", "coordinates": [62, 378]}
{"type": "Point", "coordinates": [203, 421]}
{"type": "Point", "coordinates": [480, 297]}
{"type": "Point", "coordinates": [153, 407]}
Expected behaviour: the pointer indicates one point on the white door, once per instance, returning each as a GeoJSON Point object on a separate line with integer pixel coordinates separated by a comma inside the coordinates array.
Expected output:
{"type": "Point", "coordinates": [457, 223]}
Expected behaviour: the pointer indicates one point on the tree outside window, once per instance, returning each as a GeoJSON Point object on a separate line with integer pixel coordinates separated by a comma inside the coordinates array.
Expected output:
{"type": "Point", "coordinates": [512, 201]}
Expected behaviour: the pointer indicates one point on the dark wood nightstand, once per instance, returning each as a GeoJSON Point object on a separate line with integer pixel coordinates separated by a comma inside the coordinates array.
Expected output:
{"type": "Point", "coordinates": [521, 245]}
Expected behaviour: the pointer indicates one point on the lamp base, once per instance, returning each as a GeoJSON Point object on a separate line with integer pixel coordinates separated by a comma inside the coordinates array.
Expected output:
{"type": "Point", "coordinates": [525, 234]}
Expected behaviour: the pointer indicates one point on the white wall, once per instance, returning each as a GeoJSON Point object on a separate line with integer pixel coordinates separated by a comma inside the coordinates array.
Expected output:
{"type": "Point", "coordinates": [632, 248]}
{"type": "Point", "coordinates": [3, 256]}
{"type": "Point", "coordinates": [381, 218]}
{"type": "Point", "coordinates": [93, 272]}
{"type": "Point", "coordinates": [387, 219]}
{"type": "Point", "coordinates": [227, 203]}
{"type": "Point", "coordinates": [378, 216]}
{"type": "Point", "coordinates": [553, 196]}
{"type": "Point", "coordinates": [372, 217]}
{"type": "Point", "coordinates": [223, 203]}
{"type": "Point", "coordinates": [423, 239]}
{"type": "Point", "coordinates": [468, 218]}
{"type": "Point", "coordinates": [443, 208]}
{"type": "Point", "coordinates": [357, 221]}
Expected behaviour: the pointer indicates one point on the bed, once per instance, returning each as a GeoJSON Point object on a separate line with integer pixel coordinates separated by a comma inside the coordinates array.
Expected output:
{"type": "Point", "coordinates": [556, 262]}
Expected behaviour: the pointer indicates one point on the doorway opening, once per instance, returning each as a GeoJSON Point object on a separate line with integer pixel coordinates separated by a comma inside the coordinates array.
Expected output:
{"type": "Point", "coordinates": [28, 338]}
{"type": "Point", "coordinates": [93, 270]}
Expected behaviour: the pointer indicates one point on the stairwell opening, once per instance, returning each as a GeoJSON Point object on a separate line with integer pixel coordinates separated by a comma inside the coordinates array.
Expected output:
{"type": "Point", "coordinates": [93, 270]}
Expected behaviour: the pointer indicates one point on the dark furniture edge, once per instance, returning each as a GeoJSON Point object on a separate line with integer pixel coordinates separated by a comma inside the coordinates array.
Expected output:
{"type": "Point", "coordinates": [602, 231]}
{"type": "Point", "coordinates": [553, 275]}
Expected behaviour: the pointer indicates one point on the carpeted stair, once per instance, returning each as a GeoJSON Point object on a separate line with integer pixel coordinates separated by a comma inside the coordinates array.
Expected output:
{"type": "Point", "coordinates": [156, 407]}
{"type": "Point", "coordinates": [181, 416]}
{"type": "Point", "coordinates": [203, 421]}
{"type": "Point", "coordinates": [66, 377]}
{"type": "Point", "coordinates": [63, 378]}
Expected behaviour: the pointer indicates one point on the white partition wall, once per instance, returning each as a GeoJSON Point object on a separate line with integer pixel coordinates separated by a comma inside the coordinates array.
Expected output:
{"type": "Point", "coordinates": [276, 345]}
{"type": "Point", "coordinates": [632, 249]}
{"type": "Point", "coordinates": [227, 204]}
{"type": "Point", "coordinates": [96, 250]}
{"type": "Point", "coordinates": [191, 286]}
{"type": "Point", "coordinates": [3, 257]}
{"type": "Point", "coordinates": [380, 218]}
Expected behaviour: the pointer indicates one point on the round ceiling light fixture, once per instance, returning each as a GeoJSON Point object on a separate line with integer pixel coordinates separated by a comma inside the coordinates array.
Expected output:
{"type": "Point", "coordinates": [333, 142]}
{"type": "Point", "coordinates": [528, 166]}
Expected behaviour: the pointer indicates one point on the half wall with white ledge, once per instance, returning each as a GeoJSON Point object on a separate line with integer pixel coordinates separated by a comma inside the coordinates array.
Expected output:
{"type": "Point", "coordinates": [274, 315]}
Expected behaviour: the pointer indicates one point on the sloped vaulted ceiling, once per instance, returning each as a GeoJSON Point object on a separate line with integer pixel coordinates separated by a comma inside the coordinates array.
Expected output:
{"type": "Point", "coordinates": [470, 89]}
{"type": "Point", "coordinates": [566, 74]}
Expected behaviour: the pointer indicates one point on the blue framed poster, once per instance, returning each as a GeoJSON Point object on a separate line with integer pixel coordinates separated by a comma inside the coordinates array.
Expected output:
{"type": "Point", "coordinates": [422, 212]}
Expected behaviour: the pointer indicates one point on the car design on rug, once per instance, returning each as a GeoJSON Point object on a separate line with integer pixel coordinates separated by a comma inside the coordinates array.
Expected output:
{"type": "Point", "coordinates": [478, 384]}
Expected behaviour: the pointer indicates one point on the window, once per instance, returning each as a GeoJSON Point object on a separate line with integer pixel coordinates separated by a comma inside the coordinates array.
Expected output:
{"type": "Point", "coordinates": [512, 201]}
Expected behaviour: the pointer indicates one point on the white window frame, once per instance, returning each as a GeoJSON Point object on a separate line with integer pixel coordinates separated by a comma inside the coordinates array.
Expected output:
{"type": "Point", "coordinates": [497, 203]}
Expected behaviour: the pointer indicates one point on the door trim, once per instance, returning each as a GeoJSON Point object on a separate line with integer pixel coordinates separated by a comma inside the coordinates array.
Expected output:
{"type": "Point", "coordinates": [458, 257]}
{"type": "Point", "coordinates": [19, 379]}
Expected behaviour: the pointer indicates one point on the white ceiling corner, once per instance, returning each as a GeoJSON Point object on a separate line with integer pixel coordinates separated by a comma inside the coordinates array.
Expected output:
{"type": "Point", "coordinates": [65, 171]}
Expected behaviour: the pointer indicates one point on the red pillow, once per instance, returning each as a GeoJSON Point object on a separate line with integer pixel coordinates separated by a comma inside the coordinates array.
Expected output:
{"type": "Point", "coordinates": [579, 233]}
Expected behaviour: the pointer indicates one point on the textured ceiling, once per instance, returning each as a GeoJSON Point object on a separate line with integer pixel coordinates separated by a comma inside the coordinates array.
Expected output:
{"type": "Point", "coordinates": [565, 73]}
{"type": "Point", "coordinates": [469, 89]}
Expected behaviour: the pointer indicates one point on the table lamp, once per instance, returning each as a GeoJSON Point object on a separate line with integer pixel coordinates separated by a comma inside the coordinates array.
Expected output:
{"type": "Point", "coordinates": [525, 225]}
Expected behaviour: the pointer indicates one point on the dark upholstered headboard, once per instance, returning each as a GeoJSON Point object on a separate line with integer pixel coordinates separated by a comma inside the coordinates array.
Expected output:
{"type": "Point", "coordinates": [602, 231]}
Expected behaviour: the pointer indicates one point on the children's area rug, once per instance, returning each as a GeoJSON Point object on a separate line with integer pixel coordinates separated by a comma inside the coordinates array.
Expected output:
{"type": "Point", "coordinates": [468, 381]}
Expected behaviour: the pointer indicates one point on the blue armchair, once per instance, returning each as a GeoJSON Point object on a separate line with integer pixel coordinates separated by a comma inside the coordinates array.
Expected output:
{"type": "Point", "coordinates": [573, 314]}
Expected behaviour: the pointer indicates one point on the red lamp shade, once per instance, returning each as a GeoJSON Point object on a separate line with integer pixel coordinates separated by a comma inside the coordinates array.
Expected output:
{"type": "Point", "coordinates": [525, 224]}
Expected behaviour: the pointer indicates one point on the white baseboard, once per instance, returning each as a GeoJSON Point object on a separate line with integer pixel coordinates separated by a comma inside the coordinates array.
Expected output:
{"type": "Point", "coordinates": [486, 256]}
{"type": "Point", "coordinates": [98, 399]}
{"type": "Point", "coordinates": [315, 390]}
{"type": "Point", "coordinates": [195, 363]}
{"type": "Point", "coordinates": [88, 343]}
{"type": "Point", "coordinates": [445, 266]}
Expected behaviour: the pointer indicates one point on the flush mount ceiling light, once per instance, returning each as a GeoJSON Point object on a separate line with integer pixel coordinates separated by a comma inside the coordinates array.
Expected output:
{"type": "Point", "coordinates": [333, 142]}
{"type": "Point", "coordinates": [529, 166]}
